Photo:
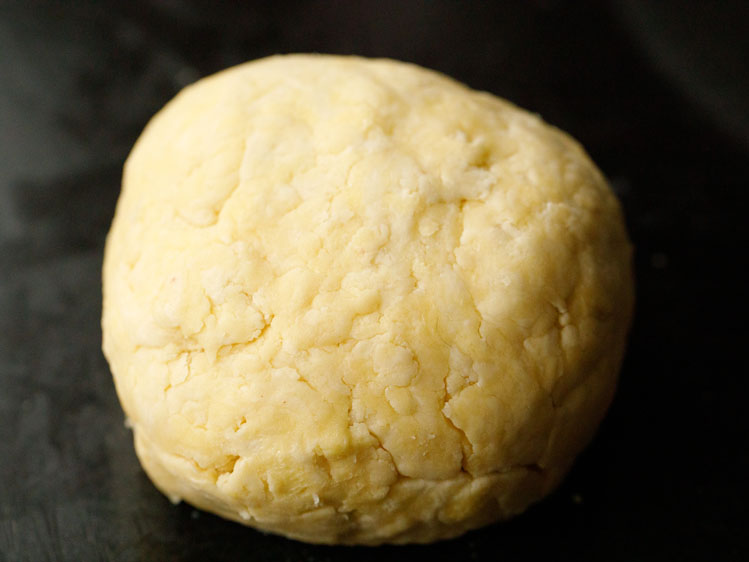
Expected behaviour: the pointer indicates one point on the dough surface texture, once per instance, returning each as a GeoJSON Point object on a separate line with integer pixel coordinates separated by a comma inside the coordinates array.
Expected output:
{"type": "Point", "coordinates": [354, 301]}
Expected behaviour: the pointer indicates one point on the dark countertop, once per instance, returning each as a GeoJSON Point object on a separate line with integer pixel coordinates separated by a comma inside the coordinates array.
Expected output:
{"type": "Point", "coordinates": [657, 93]}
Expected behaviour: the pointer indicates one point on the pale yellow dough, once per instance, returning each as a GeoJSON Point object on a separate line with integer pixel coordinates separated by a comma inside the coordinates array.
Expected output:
{"type": "Point", "coordinates": [354, 301]}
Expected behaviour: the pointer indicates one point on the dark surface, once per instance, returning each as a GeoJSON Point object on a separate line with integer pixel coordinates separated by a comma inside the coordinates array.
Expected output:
{"type": "Point", "coordinates": [657, 92]}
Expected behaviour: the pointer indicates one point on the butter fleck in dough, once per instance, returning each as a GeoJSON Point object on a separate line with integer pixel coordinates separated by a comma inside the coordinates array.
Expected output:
{"type": "Point", "coordinates": [354, 301]}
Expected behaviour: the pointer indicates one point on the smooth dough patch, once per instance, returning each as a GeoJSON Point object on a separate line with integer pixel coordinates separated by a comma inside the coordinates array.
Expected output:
{"type": "Point", "coordinates": [354, 301]}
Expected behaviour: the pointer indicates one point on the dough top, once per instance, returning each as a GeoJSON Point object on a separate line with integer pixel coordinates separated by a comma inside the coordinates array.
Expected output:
{"type": "Point", "coordinates": [329, 275]}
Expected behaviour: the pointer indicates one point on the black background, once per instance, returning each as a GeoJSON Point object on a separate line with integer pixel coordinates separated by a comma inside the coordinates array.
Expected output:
{"type": "Point", "coordinates": [656, 91]}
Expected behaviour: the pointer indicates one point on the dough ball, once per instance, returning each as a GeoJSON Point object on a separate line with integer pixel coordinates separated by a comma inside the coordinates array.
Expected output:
{"type": "Point", "coordinates": [354, 301]}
